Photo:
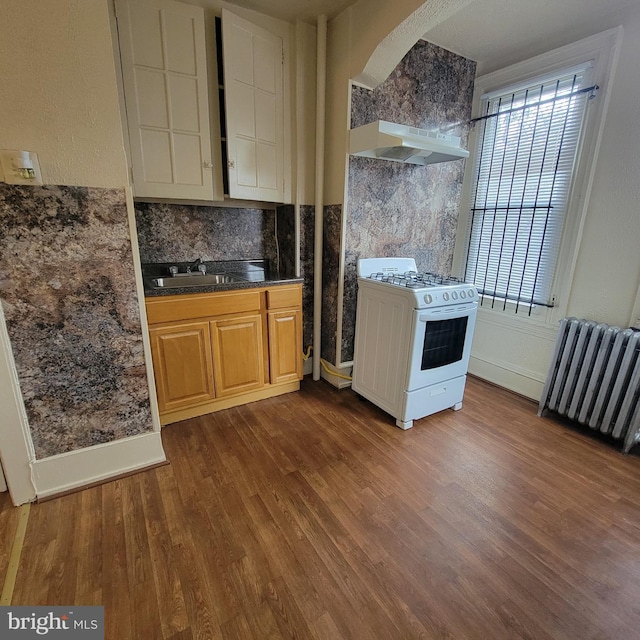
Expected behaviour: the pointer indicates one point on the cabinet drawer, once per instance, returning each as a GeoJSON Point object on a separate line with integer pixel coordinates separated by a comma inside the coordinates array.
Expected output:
{"type": "Point", "coordinates": [191, 306]}
{"type": "Point", "coordinates": [283, 297]}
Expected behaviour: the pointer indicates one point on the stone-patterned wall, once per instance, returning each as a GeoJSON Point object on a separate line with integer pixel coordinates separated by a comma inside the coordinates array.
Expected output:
{"type": "Point", "coordinates": [286, 239]}
{"type": "Point", "coordinates": [307, 235]}
{"type": "Point", "coordinates": [401, 209]}
{"type": "Point", "coordinates": [286, 232]}
{"type": "Point", "coordinates": [172, 232]}
{"type": "Point", "coordinates": [69, 298]}
{"type": "Point", "coordinates": [332, 233]}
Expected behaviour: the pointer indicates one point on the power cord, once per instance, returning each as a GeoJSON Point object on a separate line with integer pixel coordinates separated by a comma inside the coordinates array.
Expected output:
{"type": "Point", "coordinates": [325, 365]}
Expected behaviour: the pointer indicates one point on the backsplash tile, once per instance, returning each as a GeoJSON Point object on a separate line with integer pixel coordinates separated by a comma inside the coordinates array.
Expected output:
{"type": "Point", "coordinates": [286, 243]}
{"type": "Point", "coordinates": [183, 232]}
{"type": "Point", "coordinates": [70, 302]}
{"type": "Point", "coordinates": [331, 244]}
{"type": "Point", "coordinates": [307, 236]}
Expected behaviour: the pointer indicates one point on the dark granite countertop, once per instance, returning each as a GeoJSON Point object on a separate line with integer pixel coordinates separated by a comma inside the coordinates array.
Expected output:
{"type": "Point", "coordinates": [250, 274]}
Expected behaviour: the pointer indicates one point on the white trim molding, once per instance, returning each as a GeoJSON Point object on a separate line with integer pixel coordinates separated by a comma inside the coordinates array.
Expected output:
{"type": "Point", "coordinates": [16, 447]}
{"type": "Point", "coordinates": [100, 463]}
{"type": "Point", "coordinates": [524, 382]}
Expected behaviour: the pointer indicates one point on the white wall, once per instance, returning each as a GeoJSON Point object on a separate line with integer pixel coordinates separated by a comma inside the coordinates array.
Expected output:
{"type": "Point", "coordinates": [59, 95]}
{"type": "Point", "coordinates": [607, 273]}
{"type": "Point", "coordinates": [605, 282]}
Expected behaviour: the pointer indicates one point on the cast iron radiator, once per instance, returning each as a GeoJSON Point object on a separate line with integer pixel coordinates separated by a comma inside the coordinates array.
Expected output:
{"type": "Point", "coordinates": [594, 378]}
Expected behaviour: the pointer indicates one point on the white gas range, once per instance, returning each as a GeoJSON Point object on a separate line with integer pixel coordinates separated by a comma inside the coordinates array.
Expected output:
{"type": "Point", "coordinates": [413, 338]}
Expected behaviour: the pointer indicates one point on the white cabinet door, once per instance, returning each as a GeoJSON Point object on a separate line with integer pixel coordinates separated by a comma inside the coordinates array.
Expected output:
{"type": "Point", "coordinates": [254, 101]}
{"type": "Point", "coordinates": [164, 69]}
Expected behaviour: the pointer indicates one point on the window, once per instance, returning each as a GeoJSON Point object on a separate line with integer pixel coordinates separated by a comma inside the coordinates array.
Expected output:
{"type": "Point", "coordinates": [527, 141]}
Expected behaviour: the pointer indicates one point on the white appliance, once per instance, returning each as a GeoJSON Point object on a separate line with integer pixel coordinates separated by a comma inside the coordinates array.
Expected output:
{"type": "Point", "coordinates": [413, 338]}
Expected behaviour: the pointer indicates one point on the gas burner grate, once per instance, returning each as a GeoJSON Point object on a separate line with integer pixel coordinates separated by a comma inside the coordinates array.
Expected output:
{"type": "Point", "coordinates": [415, 280]}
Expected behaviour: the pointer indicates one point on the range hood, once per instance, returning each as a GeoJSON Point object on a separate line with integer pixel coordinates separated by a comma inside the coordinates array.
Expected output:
{"type": "Point", "coordinates": [402, 143]}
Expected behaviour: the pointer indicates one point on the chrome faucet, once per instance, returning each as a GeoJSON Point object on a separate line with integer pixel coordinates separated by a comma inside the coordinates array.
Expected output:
{"type": "Point", "coordinates": [197, 265]}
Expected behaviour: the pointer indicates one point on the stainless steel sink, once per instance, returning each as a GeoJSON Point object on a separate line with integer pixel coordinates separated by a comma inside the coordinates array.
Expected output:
{"type": "Point", "coordinates": [195, 280]}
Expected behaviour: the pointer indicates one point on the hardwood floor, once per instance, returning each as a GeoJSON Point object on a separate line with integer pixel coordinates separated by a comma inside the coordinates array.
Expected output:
{"type": "Point", "coordinates": [311, 516]}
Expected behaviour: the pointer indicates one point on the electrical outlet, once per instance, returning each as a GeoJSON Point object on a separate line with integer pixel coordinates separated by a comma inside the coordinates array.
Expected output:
{"type": "Point", "coordinates": [20, 167]}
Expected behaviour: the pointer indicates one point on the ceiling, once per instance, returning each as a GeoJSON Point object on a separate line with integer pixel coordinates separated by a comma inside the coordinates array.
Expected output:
{"type": "Point", "coordinates": [291, 10]}
{"type": "Point", "coordinates": [495, 33]}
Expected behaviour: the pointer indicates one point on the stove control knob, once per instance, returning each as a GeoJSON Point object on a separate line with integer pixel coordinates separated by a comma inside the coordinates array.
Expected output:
{"type": "Point", "coordinates": [463, 294]}
{"type": "Point", "coordinates": [428, 299]}
{"type": "Point", "coordinates": [470, 293]}
{"type": "Point", "coordinates": [445, 295]}
{"type": "Point", "coordinates": [454, 295]}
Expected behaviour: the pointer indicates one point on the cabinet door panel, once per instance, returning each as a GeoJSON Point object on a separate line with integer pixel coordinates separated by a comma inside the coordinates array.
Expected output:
{"type": "Point", "coordinates": [267, 174]}
{"type": "Point", "coordinates": [237, 354]}
{"type": "Point", "coordinates": [146, 23]}
{"type": "Point", "coordinates": [254, 105]}
{"type": "Point", "coordinates": [152, 106]}
{"type": "Point", "coordinates": [184, 104]}
{"type": "Point", "coordinates": [164, 72]}
{"type": "Point", "coordinates": [285, 346]}
{"type": "Point", "coordinates": [265, 52]}
{"type": "Point", "coordinates": [156, 156]}
{"type": "Point", "coordinates": [182, 364]}
{"type": "Point", "coordinates": [180, 43]}
{"type": "Point", "coordinates": [245, 112]}
{"type": "Point", "coordinates": [266, 126]}
{"type": "Point", "coordinates": [246, 165]}
{"type": "Point", "coordinates": [189, 169]}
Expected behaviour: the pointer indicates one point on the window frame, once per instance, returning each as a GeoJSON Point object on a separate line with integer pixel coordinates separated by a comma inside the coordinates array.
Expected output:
{"type": "Point", "coordinates": [602, 50]}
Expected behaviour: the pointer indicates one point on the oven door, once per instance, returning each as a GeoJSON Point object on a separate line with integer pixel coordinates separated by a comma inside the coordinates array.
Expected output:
{"type": "Point", "coordinates": [440, 344]}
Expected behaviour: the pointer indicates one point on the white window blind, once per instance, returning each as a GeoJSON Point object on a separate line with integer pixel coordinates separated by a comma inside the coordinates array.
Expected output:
{"type": "Point", "coordinates": [527, 144]}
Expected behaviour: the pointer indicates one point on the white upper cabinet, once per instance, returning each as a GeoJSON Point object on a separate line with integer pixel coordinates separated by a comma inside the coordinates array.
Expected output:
{"type": "Point", "coordinates": [164, 69]}
{"type": "Point", "coordinates": [253, 61]}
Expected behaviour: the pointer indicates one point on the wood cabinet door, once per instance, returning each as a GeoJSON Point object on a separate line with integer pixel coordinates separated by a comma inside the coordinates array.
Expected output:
{"type": "Point", "coordinates": [164, 71]}
{"type": "Point", "coordinates": [253, 61]}
{"type": "Point", "coordinates": [182, 364]}
{"type": "Point", "coordinates": [237, 354]}
{"type": "Point", "coordinates": [285, 345]}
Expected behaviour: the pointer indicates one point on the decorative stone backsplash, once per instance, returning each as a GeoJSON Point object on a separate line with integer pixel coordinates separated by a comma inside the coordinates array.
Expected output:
{"type": "Point", "coordinates": [69, 298]}
{"type": "Point", "coordinates": [286, 243]}
{"type": "Point", "coordinates": [174, 232]}
{"type": "Point", "coordinates": [330, 270]}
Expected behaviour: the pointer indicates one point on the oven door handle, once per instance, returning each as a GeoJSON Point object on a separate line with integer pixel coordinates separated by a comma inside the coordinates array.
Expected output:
{"type": "Point", "coordinates": [446, 312]}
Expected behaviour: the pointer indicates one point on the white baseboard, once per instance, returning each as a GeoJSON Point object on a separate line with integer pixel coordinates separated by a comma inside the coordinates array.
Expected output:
{"type": "Point", "coordinates": [519, 380]}
{"type": "Point", "coordinates": [84, 467]}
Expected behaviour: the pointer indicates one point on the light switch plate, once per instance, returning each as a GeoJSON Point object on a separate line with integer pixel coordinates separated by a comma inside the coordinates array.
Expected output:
{"type": "Point", "coordinates": [9, 173]}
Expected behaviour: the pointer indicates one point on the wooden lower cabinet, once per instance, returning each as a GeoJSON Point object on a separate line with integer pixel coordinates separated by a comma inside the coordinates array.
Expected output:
{"type": "Point", "coordinates": [182, 363]}
{"type": "Point", "coordinates": [237, 355]}
{"type": "Point", "coordinates": [217, 350]}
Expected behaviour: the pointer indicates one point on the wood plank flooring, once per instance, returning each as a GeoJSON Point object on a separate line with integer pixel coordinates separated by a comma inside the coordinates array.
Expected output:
{"type": "Point", "coordinates": [311, 516]}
